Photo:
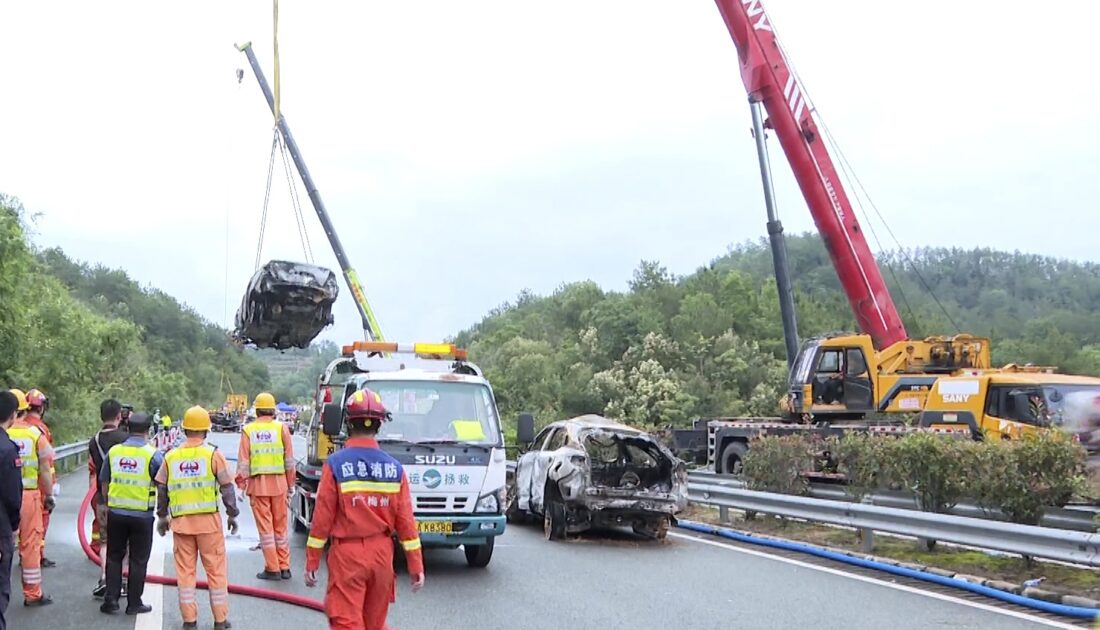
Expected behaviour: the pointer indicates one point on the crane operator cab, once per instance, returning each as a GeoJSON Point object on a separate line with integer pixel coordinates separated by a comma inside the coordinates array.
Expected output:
{"type": "Point", "coordinates": [843, 376]}
{"type": "Point", "coordinates": [831, 378]}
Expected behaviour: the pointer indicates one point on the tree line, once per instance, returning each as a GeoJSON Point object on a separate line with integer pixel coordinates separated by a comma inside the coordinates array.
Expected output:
{"type": "Point", "coordinates": [82, 333]}
{"type": "Point", "coordinates": [672, 348]}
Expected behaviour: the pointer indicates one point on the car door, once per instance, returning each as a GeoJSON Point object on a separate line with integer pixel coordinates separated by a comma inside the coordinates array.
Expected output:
{"type": "Point", "coordinates": [525, 469]}
{"type": "Point", "coordinates": [540, 463]}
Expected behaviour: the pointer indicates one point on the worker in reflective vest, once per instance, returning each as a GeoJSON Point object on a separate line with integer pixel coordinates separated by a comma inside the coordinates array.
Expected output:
{"type": "Point", "coordinates": [127, 482]}
{"type": "Point", "coordinates": [36, 456]}
{"type": "Point", "coordinates": [189, 483]}
{"type": "Point", "coordinates": [36, 417]}
{"type": "Point", "coordinates": [265, 471]}
{"type": "Point", "coordinates": [362, 502]}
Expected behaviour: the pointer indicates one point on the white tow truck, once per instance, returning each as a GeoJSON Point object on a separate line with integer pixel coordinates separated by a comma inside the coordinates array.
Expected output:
{"type": "Point", "coordinates": [445, 430]}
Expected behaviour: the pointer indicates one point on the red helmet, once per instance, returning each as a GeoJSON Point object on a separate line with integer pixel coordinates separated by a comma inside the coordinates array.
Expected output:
{"type": "Point", "coordinates": [35, 398]}
{"type": "Point", "coordinates": [366, 405]}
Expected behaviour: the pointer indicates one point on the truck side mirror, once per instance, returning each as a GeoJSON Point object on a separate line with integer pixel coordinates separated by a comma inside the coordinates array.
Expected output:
{"type": "Point", "coordinates": [525, 429]}
{"type": "Point", "coordinates": [332, 418]}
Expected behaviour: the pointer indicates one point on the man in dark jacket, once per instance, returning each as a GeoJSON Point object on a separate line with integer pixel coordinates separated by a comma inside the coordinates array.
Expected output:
{"type": "Point", "coordinates": [11, 498]}
{"type": "Point", "coordinates": [110, 413]}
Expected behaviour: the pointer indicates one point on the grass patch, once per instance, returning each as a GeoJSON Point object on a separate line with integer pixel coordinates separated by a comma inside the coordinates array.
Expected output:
{"type": "Point", "coordinates": [1059, 578]}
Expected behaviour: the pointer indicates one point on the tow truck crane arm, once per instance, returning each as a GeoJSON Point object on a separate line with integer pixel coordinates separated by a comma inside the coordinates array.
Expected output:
{"type": "Point", "coordinates": [371, 330]}
{"type": "Point", "coordinates": [770, 81]}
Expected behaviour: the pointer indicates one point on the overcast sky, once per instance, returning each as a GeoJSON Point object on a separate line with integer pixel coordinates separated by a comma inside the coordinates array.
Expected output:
{"type": "Point", "coordinates": [467, 151]}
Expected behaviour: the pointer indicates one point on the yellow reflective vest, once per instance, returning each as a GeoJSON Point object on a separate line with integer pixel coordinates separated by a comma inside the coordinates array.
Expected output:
{"type": "Point", "coordinates": [192, 484]}
{"type": "Point", "coordinates": [26, 440]}
{"type": "Point", "coordinates": [265, 448]}
{"type": "Point", "coordinates": [132, 487]}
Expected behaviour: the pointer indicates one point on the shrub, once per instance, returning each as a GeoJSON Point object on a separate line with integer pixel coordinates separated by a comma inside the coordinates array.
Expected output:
{"type": "Point", "coordinates": [861, 459]}
{"type": "Point", "coordinates": [777, 463]}
{"type": "Point", "coordinates": [1024, 476]}
{"type": "Point", "coordinates": [933, 467]}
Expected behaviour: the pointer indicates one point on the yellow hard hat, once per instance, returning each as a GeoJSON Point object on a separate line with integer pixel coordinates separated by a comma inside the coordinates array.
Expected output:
{"type": "Point", "coordinates": [196, 419]}
{"type": "Point", "coordinates": [166, 419]}
{"type": "Point", "coordinates": [264, 401]}
{"type": "Point", "coordinates": [22, 398]}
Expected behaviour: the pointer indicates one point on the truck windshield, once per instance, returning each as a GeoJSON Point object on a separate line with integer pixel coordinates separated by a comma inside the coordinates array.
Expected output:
{"type": "Point", "coordinates": [438, 412]}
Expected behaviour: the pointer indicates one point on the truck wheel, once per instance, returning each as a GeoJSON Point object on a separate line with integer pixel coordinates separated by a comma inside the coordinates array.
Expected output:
{"type": "Point", "coordinates": [553, 519]}
{"type": "Point", "coordinates": [733, 457]}
{"type": "Point", "coordinates": [478, 556]}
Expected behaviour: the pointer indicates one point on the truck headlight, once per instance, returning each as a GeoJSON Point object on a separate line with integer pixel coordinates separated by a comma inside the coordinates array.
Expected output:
{"type": "Point", "coordinates": [490, 503]}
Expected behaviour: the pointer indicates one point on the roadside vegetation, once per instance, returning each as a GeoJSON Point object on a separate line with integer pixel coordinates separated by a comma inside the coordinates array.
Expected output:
{"type": "Point", "coordinates": [669, 349]}
{"type": "Point", "coordinates": [82, 333]}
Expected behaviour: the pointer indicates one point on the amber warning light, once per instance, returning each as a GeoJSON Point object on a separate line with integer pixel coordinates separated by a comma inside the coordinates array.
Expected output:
{"type": "Point", "coordinates": [422, 350]}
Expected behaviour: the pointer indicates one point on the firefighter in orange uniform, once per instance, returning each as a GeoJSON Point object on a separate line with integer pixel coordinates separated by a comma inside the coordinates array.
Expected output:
{"type": "Point", "coordinates": [36, 417]}
{"type": "Point", "coordinates": [37, 459]}
{"type": "Point", "coordinates": [362, 501]}
{"type": "Point", "coordinates": [265, 471]}
{"type": "Point", "coordinates": [194, 474]}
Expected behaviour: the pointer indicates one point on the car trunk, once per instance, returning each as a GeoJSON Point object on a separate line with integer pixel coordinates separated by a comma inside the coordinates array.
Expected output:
{"type": "Point", "coordinates": [626, 462]}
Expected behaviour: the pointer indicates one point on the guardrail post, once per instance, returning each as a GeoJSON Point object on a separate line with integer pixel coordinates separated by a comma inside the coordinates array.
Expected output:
{"type": "Point", "coordinates": [867, 539]}
{"type": "Point", "coordinates": [723, 514]}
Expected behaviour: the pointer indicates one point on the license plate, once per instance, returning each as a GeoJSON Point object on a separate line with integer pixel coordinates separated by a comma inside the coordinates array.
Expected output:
{"type": "Point", "coordinates": [435, 527]}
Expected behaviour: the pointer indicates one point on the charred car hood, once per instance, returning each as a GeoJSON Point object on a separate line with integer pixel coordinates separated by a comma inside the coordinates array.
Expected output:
{"type": "Point", "coordinates": [287, 304]}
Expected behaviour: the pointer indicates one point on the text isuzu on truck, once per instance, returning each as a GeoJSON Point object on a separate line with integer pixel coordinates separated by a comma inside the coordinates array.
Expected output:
{"type": "Point", "coordinates": [445, 431]}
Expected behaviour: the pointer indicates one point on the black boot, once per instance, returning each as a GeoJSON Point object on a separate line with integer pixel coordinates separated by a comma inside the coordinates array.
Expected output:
{"type": "Point", "coordinates": [269, 575]}
{"type": "Point", "coordinates": [285, 573]}
{"type": "Point", "coordinates": [109, 607]}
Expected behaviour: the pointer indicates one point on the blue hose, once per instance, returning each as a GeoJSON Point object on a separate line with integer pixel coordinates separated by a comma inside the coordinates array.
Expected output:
{"type": "Point", "coordinates": [1012, 598]}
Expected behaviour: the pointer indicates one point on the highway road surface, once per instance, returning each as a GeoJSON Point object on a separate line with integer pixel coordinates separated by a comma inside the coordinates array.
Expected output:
{"type": "Point", "coordinates": [609, 580]}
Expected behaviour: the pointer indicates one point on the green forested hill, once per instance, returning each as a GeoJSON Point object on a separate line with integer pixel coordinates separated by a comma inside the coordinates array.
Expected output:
{"type": "Point", "coordinates": [671, 348]}
{"type": "Point", "coordinates": [82, 333]}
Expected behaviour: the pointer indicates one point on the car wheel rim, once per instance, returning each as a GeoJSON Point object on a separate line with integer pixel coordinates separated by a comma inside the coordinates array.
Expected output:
{"type": "Point", "coordinates": [547, 523]}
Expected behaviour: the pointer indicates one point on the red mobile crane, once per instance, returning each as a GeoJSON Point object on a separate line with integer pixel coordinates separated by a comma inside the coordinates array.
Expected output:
{"type": "Point", "coordinates": [838, 377]}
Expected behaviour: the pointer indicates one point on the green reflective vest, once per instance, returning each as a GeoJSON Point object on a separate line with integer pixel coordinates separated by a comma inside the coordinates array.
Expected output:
{"type": "Point", "coordinates": [26, 440]}
{"type": "Point", "coordinates": [192, 485]}
{"type": "Point", "coordinates": [266, 453]}
{"type": "Point", "coordinates": [131, 487]}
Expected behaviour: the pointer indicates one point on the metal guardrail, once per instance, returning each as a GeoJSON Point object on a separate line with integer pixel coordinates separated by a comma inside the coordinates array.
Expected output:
{"type": "Point", "coordinates": [69, 457]}
{"type": "Point", "coordinates": [1080, 518]}
{"type": "Point", "coordinates": [1039, 542]}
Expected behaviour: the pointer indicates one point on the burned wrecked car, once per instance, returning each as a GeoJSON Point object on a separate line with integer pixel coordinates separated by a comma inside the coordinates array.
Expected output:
{"type": "Point", "coordinates": [591, 472]}
{"type": "Point", "coordinates": [286, 305]}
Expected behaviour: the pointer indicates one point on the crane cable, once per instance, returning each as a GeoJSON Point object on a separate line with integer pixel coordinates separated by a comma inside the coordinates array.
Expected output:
{"type": "Point", "coordinates": [279, 145]}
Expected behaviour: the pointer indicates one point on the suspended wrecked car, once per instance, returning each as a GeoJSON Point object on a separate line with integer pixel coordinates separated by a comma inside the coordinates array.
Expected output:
{"type": "Point", "coordinates": [287, 304]}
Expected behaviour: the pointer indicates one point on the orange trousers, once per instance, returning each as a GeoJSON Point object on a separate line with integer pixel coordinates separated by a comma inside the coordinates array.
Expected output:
{"type": "Point", "coordinates": [210, 548]}
{"type": "Point", "coordinates": [361, 583]}
{"type": "Point", "coordinates": [30, 544]}
{"type": "Point", "coordinates": [271, 516]}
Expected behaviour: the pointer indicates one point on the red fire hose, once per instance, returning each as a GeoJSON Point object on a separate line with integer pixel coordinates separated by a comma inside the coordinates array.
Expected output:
{"type": "Point", "coordinates": [236, 589]}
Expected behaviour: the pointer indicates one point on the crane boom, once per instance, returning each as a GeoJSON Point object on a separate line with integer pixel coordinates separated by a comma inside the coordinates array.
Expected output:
{"type": "Point", "coordinates": [770, 81]}
{"type": "Point", "coordinates": [371, 330]}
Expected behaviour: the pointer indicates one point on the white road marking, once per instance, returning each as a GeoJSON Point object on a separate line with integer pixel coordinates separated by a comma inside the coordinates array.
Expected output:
{"type": "Point", "coordinates": [870, 580]}
{"type": "Point", "coordinates": [154, 593]}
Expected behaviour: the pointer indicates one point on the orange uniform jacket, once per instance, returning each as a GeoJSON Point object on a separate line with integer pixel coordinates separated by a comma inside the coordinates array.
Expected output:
{"type": "Point", "coordinates": [364, 493]}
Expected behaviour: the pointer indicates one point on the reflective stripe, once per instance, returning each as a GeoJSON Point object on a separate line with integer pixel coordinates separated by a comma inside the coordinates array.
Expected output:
{"type": "Point", "coordinates": [411, 545]}
{"type": "Point", "coordinates": [265, 448]}
{"type": "Point", "coordinates": [385, 487]}
{"type": "Point", "coordinates": [192, 485]}
{"type": "Point", "coordinates": [26, 440]}
{"type": "Point", "coordinates": [131, 485]}
{"type": "Point", "coordinates": [315, 543]}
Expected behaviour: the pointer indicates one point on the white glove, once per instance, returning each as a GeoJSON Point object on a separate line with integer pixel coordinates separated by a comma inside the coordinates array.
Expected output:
{"type": "Point", "coordinates": [56, 489]}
